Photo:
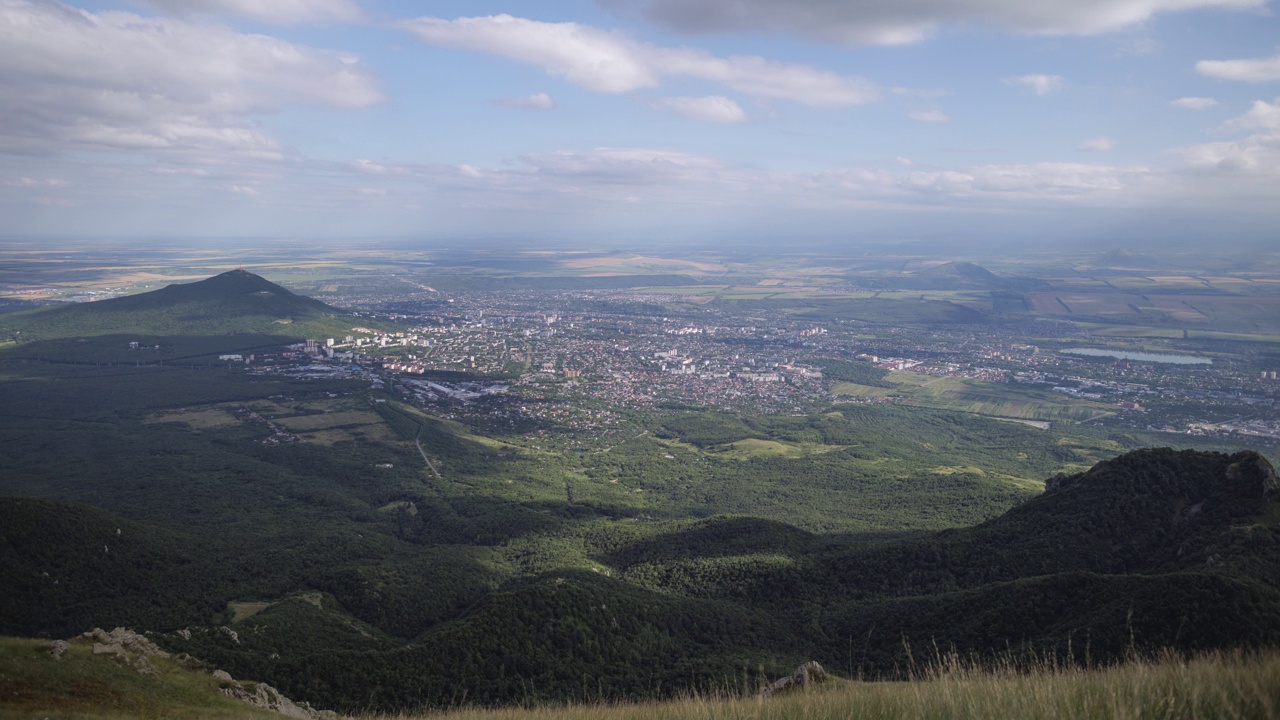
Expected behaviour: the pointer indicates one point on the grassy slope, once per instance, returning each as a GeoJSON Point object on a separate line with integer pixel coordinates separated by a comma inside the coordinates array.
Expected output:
{"type": "Point", "coordinates": [1216, 685]}
{"type": "Point", "coordinates": [1209, 686]}
{"type": "Point", "coordinates": [81, 685]}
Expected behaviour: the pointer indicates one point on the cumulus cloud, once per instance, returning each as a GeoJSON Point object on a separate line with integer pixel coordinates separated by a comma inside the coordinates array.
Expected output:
{"type": "Point", "coordinates": [610, 62]}
{"type": "Point", "coordinates": [716, 108]}
{"type": "Point", "coordinates": [1262, 116]}
{"type": "Point", "coordinates": [1257, 70]}
{"type": "Point", "coordinates": [1101, 143]}
{"type": "Point", "coordinates": [115, 80]}
{"type": "Point", "coordinates": [1255, 155]}
{"type": "Point", "coordinates": [857, 22]}
{"type": "Point", "coordinates": [1038, 84]}
{"type": "Point", "coordinates": [536, 101]}
{"type": "Point", "coordinates": [1194, 103]}
{"type": "Point", "coordinates": [270, 11]}
{"type": "Point", "coordinates": [929, 116]}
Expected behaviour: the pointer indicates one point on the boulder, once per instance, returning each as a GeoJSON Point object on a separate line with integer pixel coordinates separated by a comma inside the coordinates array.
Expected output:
{"type": "Point", "coordinates": [266, 697]}
{"type": "Point", "coordinates": [805, 675]}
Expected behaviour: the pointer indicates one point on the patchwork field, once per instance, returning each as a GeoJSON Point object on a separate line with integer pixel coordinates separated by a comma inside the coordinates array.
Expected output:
{"type": "Point", "coordinates": [998, 400]}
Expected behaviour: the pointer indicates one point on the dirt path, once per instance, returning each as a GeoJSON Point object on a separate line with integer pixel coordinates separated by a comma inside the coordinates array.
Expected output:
{"type": "Point", "coordinates": [423, 453]}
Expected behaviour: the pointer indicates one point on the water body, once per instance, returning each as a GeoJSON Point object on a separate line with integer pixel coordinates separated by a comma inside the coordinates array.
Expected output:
{"type": "Point", "coordinates": [1141, 356]}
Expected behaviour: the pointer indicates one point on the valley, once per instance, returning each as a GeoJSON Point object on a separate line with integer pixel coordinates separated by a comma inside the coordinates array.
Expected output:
{"type": "Point", "coordinates": [484, 491]}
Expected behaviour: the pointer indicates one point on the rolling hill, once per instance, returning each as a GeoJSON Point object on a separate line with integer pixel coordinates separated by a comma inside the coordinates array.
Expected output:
{"type": "Point", "coordinates": [236, 302]}
{"type": "Point", "coordinates": [1157, 548]}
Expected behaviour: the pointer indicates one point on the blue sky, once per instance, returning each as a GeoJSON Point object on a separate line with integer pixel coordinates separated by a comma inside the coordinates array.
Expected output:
{"type": "Point", "coordinates": [625, 120]}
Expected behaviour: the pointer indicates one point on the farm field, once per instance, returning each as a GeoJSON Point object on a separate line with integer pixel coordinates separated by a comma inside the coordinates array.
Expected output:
{"type": "Point", "coordinates": [1000, 400]}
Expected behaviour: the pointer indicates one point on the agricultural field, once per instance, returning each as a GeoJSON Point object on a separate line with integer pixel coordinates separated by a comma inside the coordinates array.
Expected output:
{"type": "Point", "coordinates": [998, 400]}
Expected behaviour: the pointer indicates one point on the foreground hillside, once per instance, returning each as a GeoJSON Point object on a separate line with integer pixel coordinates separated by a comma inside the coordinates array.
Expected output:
{"type": "Point", "coordinates": [1154, 549]}
{"type": "Point", "coordinates": [81, 684]}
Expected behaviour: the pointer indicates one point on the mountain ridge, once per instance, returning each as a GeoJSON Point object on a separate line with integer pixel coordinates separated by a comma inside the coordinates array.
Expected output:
{"type": "Point", "coordinates": [1144, 550]}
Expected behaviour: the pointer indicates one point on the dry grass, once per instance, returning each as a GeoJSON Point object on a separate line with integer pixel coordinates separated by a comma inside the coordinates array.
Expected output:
{"type": "Point", "coordinates": [1244, 686]}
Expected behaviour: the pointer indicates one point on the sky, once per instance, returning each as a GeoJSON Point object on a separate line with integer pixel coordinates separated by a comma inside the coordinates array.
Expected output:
{"type": "Point", "coordinates": [620, 121]}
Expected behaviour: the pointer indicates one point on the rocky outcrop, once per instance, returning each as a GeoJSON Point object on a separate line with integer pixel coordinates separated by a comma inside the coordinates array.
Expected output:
{"type": "Point", "coordinates": [266, 697]}
{"type": "Point", "coordinates": [1058, 481]}
{"type": "Point", "coordinates": [127, 646]}
{"type": "Point", "coordinates": [58, 648]}
{"type": "Point", "coordinates": [805, 675]}
{"type": "Point", "coordinates": [1253, 474]}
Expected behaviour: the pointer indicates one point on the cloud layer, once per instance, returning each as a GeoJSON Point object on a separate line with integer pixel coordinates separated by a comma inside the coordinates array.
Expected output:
{"type": "Point", "coordinates": [1257, 70]}
{"type": "Point", "coordinates": [610, 62]}
{"type": "Point", "coordinates": [857, 22]}
{"type": "Point", "coordinates": [119, 81]}
{"type": "Point", "coordinates": [270, 11]}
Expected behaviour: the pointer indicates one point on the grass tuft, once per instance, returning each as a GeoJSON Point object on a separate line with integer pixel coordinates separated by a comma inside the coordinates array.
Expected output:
{"type": "Point", "coordinates": [1218, 685]}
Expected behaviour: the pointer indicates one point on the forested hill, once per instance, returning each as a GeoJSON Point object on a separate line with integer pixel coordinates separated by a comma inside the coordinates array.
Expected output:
{"type": "Point", "coordinates": [1156, 548]}
{"type": "Point", "coordinates": [234, 302]}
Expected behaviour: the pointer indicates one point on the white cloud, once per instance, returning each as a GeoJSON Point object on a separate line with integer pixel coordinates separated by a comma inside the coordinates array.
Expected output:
{"type": "Point", "coordinates": [922, 92]}
{"type": "Point", "coordinates": [536, 101]}
{"type": "Point", "coordinates": [1254, 158]}
{"type": "Point", "coordinates": [1194, 103]}
{"type": "Point", "coordinates": [242, 190]}
{"type": "Point", "coordinates": [26, 182]}
{"type": "Point", "coordinates": [1038, 84]}
{"type": "Point", "coordinates": [716, 108]}
{"type": "Point", "coordinates": [1101, 143]}
{"type": "Point", "coordinates": [610, 62]}
{"type": "Point", "coordinates": [1250, 158]}
{"type": "Point", "coordinates": [1262, 116]}
{"type": "Point", "coordinates": [1257, 70]}
{"type": "Point", "coordinates": [119, 81]}
{"type": "Point", "coordinates": [271, 11]}
{"type": "Point", "coordinates": [857, 22]}
{"type": "Point", "coordinates": [929, 116]}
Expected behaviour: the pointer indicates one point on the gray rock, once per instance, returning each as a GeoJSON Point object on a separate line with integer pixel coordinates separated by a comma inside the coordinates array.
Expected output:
{"type": "Point", "coordinates": [58, 647]}
{"type": "Point", "coordinates": [266, 697]}
{"type": "Point", "coordinates": [805, 675]}
{"type": "Point", "coordinates": [123, 640]}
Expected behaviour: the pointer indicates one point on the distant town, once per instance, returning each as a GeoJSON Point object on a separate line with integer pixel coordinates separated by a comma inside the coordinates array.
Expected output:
{"type": "Point", "coordinates": [580, 360]}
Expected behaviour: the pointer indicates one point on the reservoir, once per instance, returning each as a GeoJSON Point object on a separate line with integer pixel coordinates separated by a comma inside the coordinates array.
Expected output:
{"type": "Point", "coordinates": [1141, 356]}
